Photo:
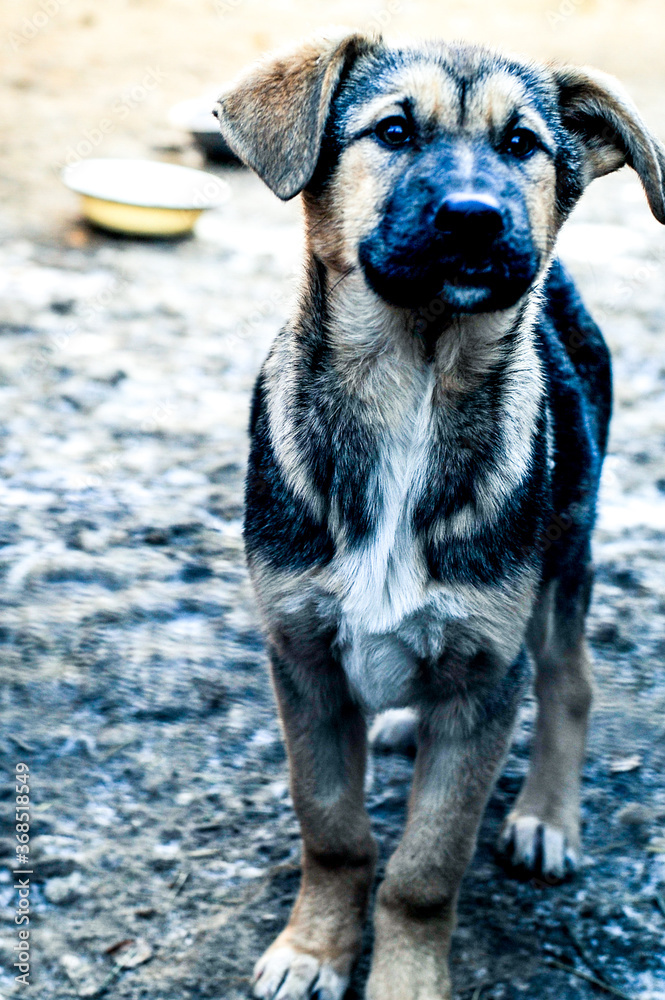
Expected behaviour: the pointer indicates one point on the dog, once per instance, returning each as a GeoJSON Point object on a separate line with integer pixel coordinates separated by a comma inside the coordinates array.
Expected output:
{"type": "Point", "coordinates": [427, 436]}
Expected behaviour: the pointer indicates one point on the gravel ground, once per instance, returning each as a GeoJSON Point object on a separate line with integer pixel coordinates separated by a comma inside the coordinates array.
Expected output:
{"type": "Point", "coordinates": [135, 683]}
{"type": "Point", "coordinates": [164, 843]}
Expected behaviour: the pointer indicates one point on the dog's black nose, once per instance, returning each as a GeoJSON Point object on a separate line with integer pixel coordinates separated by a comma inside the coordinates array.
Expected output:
{"type": "Point", "coordinates": [470, 218]}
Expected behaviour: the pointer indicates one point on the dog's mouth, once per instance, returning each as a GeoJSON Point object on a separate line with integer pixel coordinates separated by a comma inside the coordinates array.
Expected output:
{"type": "Point", "coordinates": [466, 288]}
{"type": "Point", "coordinates": [466, 293]}
{"type": "Point", "coordinates": [451, 285]}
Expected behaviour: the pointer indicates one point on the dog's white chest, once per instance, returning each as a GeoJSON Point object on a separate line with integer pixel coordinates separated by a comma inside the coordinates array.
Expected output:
{"type": "Point", "coordinates": [383, 583]}
{"type": "Point", "coordinates": [383, 578]}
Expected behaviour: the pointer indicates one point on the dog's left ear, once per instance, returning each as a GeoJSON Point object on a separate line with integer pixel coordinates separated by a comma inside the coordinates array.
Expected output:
{"type": "Point", "coordinates": [597, 110]}
{"type": "Point", "coordinates": [274, 116]}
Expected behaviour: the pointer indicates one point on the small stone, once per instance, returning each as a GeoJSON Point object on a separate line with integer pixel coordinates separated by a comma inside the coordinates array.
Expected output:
{"type": "Point", "coordinates": [626, 764]}
{"type": "Point", "coordinates": [137, 952]}
{"type": "Point", "coordinates": [250, 872]}
{"type": "Point", "coordinates": [169, 851]}
{"type": "Point", "coordinates": [634, 814]}
{"type": "Point", "coordinates": [55, 867]}
{"type": "Point", "coordinates": [64, 891]}
{"type": "Point", "coordinates": [80, 973]}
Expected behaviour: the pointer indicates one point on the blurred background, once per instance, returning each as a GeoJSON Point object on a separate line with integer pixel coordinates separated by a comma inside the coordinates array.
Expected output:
{"type": "Point", "coordinates": [69, 63]}
{"type": "Point", "coordinates": [165, 848]}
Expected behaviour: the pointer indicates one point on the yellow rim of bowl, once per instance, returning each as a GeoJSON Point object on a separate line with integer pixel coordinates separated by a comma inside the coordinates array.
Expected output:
{"type": "Point", "coordinates": [139, 219]}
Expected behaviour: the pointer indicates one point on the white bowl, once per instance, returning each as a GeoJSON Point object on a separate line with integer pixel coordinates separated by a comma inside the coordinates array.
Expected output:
{"type": "Point", "coordinates": [143, 197]}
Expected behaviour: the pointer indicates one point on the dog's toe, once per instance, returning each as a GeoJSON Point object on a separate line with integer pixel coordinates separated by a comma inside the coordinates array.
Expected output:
{"type": "Point", "coordinates": [329, 985]}
{"type": "Point", "coordinates": [270, 972]}
{"type": "Point", "coordinates": [287, 974]}
{"type": "Point", "coordinates": [530, 845]}
{"type": "Point", "coordinates": [300, 979]}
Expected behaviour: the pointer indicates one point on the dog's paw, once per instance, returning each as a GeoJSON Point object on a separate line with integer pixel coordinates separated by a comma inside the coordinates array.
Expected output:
{"type": "Point", "coordinates": [531, 846]}
{"type": "Point", "coordinates": [395, 731]}
{"type": "Point", "coordinates": [286, 974]}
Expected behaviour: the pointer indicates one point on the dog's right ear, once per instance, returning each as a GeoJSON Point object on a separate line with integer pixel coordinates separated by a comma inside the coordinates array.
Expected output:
{"type": "Point", "coordinates": [274, 116]}
{"type": "Point", "coordinates": [597, 110]}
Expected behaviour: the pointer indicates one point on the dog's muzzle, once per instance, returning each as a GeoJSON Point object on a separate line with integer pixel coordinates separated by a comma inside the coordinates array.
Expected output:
{"type": "Point", "coordinates": [468, 246]}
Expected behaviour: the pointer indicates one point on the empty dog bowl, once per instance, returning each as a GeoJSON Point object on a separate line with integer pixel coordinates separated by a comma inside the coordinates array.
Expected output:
{"type": "Point", "coordinates": [143, 197]}
{"type": "Point", "coordinates": [195, 116]}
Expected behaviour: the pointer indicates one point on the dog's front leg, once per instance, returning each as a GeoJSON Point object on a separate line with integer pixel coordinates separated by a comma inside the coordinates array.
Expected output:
{"type": "Point", "coordinates": [326, 741]}
{"type": "Point", "coordinates": [456, 766]}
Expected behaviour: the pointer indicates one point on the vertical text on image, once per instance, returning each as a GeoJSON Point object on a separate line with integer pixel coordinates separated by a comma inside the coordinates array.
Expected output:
{"type": "Point", "coordinates": [22, 872]}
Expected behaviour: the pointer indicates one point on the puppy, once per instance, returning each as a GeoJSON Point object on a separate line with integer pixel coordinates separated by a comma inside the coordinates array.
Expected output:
{"type": "Point", "coordinates": [427, 435]}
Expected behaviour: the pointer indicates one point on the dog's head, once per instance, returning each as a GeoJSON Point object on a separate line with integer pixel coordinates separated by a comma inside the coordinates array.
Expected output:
{"type": "Point", "coordinates": [442, 171]}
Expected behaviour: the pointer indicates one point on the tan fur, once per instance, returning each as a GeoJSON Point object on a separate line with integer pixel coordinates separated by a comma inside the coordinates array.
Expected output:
{"type": "Point", "coordinates": [365, 325]}
{"type": "Point", "coordinates": [493, 101]}
{"type": "Point", "coordinates": [436, 97]}
{"type": "Point", "coordinates": [281, 414]}
{"type": "Point", "coordinates": [294, 88]}
{"type": "Point", "coordinates": [336, 224]}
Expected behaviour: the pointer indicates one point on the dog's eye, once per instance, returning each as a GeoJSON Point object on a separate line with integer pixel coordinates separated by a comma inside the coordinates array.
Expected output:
{"type": "Point", "coordinates": [394, 131]}
{"type": "Point", "coordinates": [522, 142]}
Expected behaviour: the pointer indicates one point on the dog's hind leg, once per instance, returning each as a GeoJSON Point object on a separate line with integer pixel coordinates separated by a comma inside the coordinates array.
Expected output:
{"type": "Point", "coordinates": [542, 832]}
{"type": "Point", "coordinates": [326, 742]}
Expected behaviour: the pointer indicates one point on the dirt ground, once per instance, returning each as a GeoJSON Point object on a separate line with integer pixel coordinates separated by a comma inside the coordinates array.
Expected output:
{"type": "Point", "coordinates": [164, 843]}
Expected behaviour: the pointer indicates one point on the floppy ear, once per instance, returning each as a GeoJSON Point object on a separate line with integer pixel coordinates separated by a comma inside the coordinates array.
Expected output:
{"type": "Point", "coordinates": [597, 110]}
{"type": "Point", "coordinates": [274, 116]}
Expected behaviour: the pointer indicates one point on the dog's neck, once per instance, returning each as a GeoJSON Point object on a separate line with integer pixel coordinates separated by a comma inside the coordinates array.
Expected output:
{"type": "Point", "coordinates": [374, 346]}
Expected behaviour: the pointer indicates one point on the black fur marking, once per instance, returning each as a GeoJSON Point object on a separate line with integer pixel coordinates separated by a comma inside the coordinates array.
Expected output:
{"type": "Point", "coordinates": [577, 363]}
{"type": "Point", "coordinates": [503, 548]}
{"type": "Point", "coordinates": [479, 675]}
{"type": "Point", "coordinates": [586, 348]}
{"type": "Point", "coordinates": [336, 445]}
{"type": "Point", "coordinates": [278, 526]}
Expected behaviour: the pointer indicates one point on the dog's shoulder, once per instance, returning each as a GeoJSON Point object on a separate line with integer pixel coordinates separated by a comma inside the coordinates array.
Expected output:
{"type": "Point", "coordinates": [577, 356]}
{"type": "Point", "coordinates": [576, 362]}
